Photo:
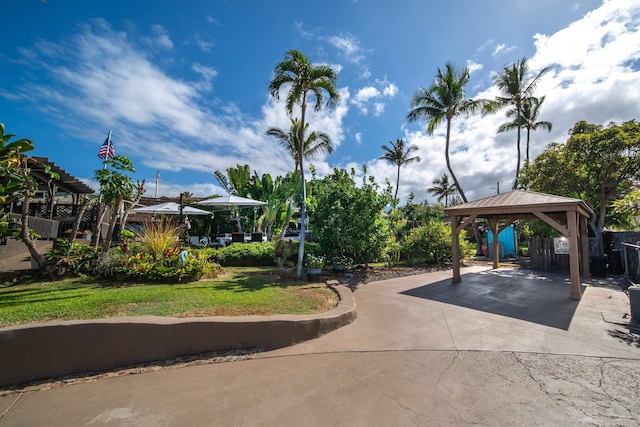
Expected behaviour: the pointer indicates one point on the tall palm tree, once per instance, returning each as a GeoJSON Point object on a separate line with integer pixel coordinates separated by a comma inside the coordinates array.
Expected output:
{"type": "Point", "coordinates": [443, 101]}
{"type": "Point", "coordinates": [399, 156]}
{"type": "Point", "coordinates": [528, 119]}
{"type": "Point", "coordinates": [302, 78]}
{"type": "Point", "coordinates": [516, 89]}
{"type": "Point", "coordinates": [443, 189]}
{"type": "Point", "coordinates": [315, 144]}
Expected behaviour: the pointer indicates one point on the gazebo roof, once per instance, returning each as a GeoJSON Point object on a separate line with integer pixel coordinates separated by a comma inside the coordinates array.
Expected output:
{"type": "Point", "coordinates": [520, 202]}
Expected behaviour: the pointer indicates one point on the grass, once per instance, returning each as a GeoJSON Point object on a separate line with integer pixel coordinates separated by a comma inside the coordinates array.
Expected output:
{"type": "Point", "coordinates": [241, 291]}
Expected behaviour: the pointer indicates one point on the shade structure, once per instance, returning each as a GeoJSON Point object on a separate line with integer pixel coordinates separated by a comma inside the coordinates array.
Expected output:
{"type": "Point", "coordinates": [230, 201]}
{"type": "Point", "coordinates": [170, 208]}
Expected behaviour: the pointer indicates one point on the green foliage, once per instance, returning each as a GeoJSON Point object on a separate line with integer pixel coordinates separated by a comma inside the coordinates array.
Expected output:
{"type": "Point", "coordinates": [239, 254]}
{"type": "Point", "coordinates": [432, 242]}
{"type": "Point", "coordinates": [597, 164]}
{"type": "Point", "coordinates": [71, 258]}
{"type": "Point", "coordinates": [12, 179]}
{"type": "Point", "coordinates": [315, 261]}
{"type": "Point", "coordinates": [157, 237]}
{"type": "Point", "coordinates": [346, 219]}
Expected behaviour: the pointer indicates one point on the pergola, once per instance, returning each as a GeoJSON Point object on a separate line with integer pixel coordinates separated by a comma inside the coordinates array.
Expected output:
{"type": "Point", "coordinates": [568, 216]}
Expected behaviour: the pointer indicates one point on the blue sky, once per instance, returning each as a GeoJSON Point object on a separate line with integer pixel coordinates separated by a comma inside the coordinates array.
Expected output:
{"type": "Point", "coordinates": [183, 85]}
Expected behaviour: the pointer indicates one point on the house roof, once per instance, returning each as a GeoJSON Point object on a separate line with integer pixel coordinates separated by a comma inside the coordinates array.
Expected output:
{"type": "Point", "coordinates": [520, 203]}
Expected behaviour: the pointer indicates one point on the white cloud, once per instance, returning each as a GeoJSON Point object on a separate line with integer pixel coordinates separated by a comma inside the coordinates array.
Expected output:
{"type": "Point", "coordinates": [592, 79]}
{"type": "Point", "coordinates": [473, 66]}
{"type": "Point", "coordinates": [203, 45]}
{"type": "Point", "coordinates": [358, 137]}
{"type": "Point", "coordinates": [348, 46]}
{"type": "Point", "coordinates": [371, 94]}
{"type": "Point", "coordinates": [161, 38]}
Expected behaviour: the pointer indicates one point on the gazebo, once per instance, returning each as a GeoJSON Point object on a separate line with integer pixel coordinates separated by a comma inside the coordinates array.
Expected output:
{"type": "Point", "coordinates": [568, 216]}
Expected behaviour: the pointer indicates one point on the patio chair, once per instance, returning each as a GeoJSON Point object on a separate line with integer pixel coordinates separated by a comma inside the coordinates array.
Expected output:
{"type": "Point", "coordinates": [237, 237]}
{"type": "Point", "coordinates": [256, 237]}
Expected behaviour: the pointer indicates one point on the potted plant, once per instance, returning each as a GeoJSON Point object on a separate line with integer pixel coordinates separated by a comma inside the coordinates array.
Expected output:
{"type": "Point", "coordinates": [341, 263]}
{"type": "Point", "coordinates": [314, 267]}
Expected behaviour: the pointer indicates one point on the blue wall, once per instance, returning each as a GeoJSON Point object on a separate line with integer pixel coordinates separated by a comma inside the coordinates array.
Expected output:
{"type": "Point", "coordinates": [508, 239]}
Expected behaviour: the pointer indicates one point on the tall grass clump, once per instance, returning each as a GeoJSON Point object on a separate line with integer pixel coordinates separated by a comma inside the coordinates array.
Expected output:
{"type": "Point", "coordinates": [157, 236]}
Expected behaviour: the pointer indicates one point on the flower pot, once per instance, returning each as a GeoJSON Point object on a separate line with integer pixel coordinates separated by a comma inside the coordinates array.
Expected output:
{"type": "Point", "coordinates": [339, 269]}
{"type": "Point", "coordinates": [314, 274]}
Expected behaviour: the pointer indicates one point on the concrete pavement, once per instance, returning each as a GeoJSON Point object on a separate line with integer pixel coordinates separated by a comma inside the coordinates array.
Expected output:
{"type": "Point", "coordinates": [503, 347]}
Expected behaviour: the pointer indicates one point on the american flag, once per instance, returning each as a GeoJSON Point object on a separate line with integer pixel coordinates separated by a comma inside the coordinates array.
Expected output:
{"type": "Point", "coordinates": [107, 151]}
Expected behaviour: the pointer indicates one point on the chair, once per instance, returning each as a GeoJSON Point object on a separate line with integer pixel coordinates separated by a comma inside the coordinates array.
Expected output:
{"type": "Point", "coordinates": [256, 237]}
{"type": "Point", "coordinates": [237, 237]}
{"type": "Point", "coordinates": [196, 241]}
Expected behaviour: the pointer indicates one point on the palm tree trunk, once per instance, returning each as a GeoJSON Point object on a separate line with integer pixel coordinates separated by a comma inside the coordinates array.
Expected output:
{"type": "Point", "coordinates": [28, 241]}
{"type": "Point", "coordinates": [446, 153]}
{"type": "Point", "coordinates": [303, 204]}
{"type": "Point", "coordinates": [397, 183]}
{"type": "Point", "coordinates": [76, 222]}
{"type": "Point", "coordinates": [515, 182]}
{"type": "Point", "coordinates": [528, 136]}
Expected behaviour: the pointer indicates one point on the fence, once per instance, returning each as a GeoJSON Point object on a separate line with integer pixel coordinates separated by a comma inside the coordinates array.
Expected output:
{"type": "Point", "coordinates": [610, 249]}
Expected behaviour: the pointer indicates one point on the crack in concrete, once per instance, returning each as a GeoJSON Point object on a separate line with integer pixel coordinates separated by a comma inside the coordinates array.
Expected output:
{"type": "Point", "coordinates": [15, 402]}
{"type": "Point", "coordinates": [390, 396]}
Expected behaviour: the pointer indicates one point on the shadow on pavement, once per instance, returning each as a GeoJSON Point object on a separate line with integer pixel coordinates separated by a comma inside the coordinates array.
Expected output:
{"type": "Point", "coordinates": [521, 294]}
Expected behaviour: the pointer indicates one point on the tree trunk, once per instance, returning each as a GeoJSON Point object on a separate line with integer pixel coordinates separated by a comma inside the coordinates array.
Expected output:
{"type": "Point", "coordinates": [112, 223]}
{"type": "Point", "coordinates": [303, 206]}
{"type": "Point", "coordinates": [76, 222]}
{"type": "Point", "coordinates": [95, 239]}
{"type": "Point", "coordinates": [285, 225]}
{"type": "Point", "coordinates": [25, 235]}
{"type": "Point", "coordinates": [515, 182]}
{"type": "Point", "coordinates": [446, 153]}
{"type": "Point", "coordinates": [397, 183]}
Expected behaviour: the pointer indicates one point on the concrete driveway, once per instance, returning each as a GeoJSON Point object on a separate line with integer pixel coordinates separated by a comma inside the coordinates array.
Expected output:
{"type": "Point", "coordinates": [502, 347]}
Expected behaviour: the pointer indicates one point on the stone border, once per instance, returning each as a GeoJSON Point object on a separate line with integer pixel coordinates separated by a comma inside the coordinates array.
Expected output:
{"type": "Point", "coordinates": [31, 352]}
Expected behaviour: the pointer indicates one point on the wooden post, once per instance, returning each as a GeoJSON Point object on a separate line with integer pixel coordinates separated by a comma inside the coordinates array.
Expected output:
{"type": "Point", "coordinates": [455, 249]}
{"type": "Point", "coordinates": [496, 243]}
{"type": "Point", "coordinates": [584, 239]}
{"type": "Point", "coordinates": [574, 266]}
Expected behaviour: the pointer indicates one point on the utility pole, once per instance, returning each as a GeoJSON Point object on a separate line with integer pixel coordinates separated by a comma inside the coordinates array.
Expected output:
{"type": "Point", "coordinates": [498, 186]}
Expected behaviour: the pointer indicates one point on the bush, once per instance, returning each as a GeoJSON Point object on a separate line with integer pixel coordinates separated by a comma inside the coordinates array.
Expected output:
{"type": "Point", "coordinates": [244, 254]}
{"type": "Point", "coordinates": [432, 242]}
{"type": "Point", "coordinates": [71, 258]}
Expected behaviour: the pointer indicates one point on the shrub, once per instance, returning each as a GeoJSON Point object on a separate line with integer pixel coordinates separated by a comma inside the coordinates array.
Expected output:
{"type": "Point", "coordinates": [433, 243]}
{"type": "Point", "coordinates": [71, 258]}
{"type": "Point", "coordinates": [157, 236]}
{"type": "Point", "coordinates": [244, 254]}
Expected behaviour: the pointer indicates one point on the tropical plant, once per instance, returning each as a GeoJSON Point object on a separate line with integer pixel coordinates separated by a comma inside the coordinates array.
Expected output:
{"type": "Point", "coordinates": [115, 187]}
{"type": "Point", "coordinates": [302, 78]}
{"type": "Point", "coordinates": [443, 101]}
{"type": "Point", "coordinates": [399, 156]}
{"type": "Point", "coordinates": [442, 189]}
{"type": "Point", "coordinates": [316, 261]}
{"type": "Point", "coordinates": [528, 120]}
{"type": "Point", "coordinates": [156, 236]}
{"type": "Point", "coordinates": [517, 89]}
{"type": "Point", "coordinates": [315, 144]}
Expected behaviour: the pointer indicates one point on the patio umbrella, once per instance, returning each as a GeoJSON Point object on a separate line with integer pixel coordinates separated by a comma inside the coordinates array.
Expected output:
{"type": "Point", "coordinates": [170, 208]}
{"type": "Point", "coordinates": [230, 201]}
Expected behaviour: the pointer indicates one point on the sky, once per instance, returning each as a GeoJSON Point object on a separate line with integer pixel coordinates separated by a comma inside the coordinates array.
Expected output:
{"type": "Point", "coordinates": [183, 86]}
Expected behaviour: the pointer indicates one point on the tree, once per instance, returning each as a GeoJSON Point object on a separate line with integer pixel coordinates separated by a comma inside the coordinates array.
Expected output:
{"type": "Point", "coordinates": [316, 143]}
{"type": "Point", "coordinates": [399, 156]}
{"type": "Point", "coordinates": [16, 182]}
{"type": "Point", "coordinates": [442, 189]}
{"type": "Point", "coordinates": [303, 79]}
{"type": "Point", "coordinates": [598, 164]}
{"type": "Point", "coordinates": [443, 101]}
{"type": "Point", "coordinates": [528, 119]}
{"type": "Point", "coordinates": [115, 187]}
{"type": "Point", "coordinates": [347, 219]}
{"type": "Point", "coordinates": [516, 90]}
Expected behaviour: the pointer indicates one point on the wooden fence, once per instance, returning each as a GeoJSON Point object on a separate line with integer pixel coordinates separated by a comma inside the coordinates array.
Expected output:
{"type": "Point", "coordinates": [543, 256]}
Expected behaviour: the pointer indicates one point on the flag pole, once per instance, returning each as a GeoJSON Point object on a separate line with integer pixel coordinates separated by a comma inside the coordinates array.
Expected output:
{"type": "Point", "coordinates": [157, 179]}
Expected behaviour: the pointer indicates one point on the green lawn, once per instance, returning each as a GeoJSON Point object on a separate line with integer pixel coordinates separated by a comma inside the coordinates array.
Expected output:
{"type": "Point", "coordinates": [242, 291]}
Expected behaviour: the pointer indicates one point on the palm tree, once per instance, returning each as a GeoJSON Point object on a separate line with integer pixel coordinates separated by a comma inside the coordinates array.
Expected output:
{"type": "Point", "coordinates": [444, 100]}
{"type": "Point", "coordinates": [443, 189]}
{"type": "Point", "coordinates": [302, 78]}
{"type": "Point", "coordinates": [515, 87]}
{"type": "Point", "coordinates": [315, 144]}
{"type": "Point", "coordinates": [399, 156]}
{"type": "Point", "coordinates": [528, 116]}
